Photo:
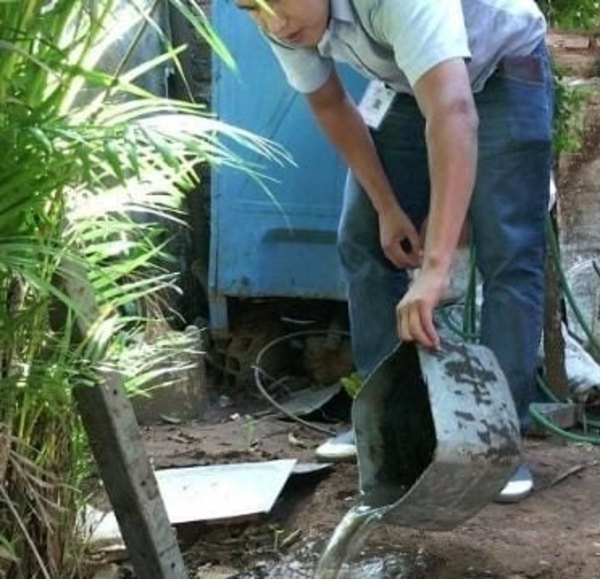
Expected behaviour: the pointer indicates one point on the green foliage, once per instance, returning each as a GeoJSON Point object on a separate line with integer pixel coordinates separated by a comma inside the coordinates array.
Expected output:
{"type": "Point", "coordinates": [569, 117]}
{"type": "Point", "coordinates": [352, 384]}
{"type": "Point", "coordinates": [572, 13]}
{"type": "Point", "coordinates": [91, 167]}
{"type": "Point", "coordinates": [570, 101]}
{"type": "Point", "coordinates": [250, 430]}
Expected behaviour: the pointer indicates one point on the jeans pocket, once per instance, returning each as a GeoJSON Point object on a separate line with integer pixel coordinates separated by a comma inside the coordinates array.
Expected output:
{"type": "Point", "coordinates": [528, 89]}
{"type": "Point", "coordinates": [528, 70]}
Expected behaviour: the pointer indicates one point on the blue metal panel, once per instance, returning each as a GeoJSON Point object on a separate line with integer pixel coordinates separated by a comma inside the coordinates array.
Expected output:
{"type": "Point", "coordinates": [260, 247]}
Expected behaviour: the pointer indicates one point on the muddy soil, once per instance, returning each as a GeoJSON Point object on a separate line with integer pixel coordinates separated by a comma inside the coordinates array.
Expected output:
{"type": "Point", "coordinates": [553, 534]}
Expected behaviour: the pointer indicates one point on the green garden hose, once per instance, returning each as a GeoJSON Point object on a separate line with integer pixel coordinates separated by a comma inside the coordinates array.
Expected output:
{"type": "Point", "coordinates": [451, 325]}
{"type": "Point", "coordinates": [469, 333]}
{"type": "Point", "coordinates": [564, 284]}
{"type": "Point", "coordinates": [552, 427]}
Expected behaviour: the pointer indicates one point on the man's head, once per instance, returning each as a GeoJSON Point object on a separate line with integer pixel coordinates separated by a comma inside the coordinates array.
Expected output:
{"type": "Point", "coordinates": [295, 22]}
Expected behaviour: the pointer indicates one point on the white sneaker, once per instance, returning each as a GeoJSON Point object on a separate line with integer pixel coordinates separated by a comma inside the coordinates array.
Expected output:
{"type": "Point", "coordinates": [340, 448]}
{"type": "Point", "coordinates": [519, 487]}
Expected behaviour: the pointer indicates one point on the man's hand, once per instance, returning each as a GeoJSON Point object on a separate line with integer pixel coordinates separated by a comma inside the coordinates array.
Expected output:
{"type": "Point", "coordinates": [414, 313]}
{"type": "Point", "coordinates": [399, 238]}
{"type": "Point", "coordinates": [445, 98]}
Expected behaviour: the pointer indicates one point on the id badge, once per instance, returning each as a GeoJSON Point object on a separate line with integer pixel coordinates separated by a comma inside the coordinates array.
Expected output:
{"type": "Point", "coordinates": [375, 103]}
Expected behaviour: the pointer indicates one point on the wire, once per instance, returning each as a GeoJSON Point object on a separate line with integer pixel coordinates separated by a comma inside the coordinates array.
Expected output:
{"type": "Point", "coordinates": [258, 372]}
{"type": "Point", "coordinates": [283, 409]}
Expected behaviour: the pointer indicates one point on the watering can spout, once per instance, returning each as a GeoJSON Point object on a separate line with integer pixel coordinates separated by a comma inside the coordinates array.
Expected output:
{"type": "Point", "coordinates": [437, 434]}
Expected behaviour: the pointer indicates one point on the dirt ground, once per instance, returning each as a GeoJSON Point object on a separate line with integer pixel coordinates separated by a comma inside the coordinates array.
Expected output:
{"type": "Point", "coordinates": [553, 534]}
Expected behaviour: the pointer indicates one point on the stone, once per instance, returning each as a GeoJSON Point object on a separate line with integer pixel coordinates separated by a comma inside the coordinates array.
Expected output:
{"type": "Point", "coordinates": [184, 395]}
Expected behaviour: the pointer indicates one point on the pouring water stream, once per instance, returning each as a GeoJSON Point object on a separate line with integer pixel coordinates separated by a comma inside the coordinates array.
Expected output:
{"type": "Point", "coordinates": [347, 539]}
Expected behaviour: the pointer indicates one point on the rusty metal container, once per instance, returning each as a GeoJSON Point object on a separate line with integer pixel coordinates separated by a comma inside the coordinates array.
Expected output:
{"type": "Point", "coordinates": [437, 434]}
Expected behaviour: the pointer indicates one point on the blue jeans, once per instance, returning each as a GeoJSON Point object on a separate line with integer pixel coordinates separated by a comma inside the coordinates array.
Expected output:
{"type": "Point", "coordinates": [507, 216]}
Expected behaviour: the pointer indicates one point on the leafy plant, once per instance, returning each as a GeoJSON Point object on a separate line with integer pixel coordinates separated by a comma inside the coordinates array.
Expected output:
{"type": "Point", "coordinates": [92, 164]}
{"type": "Point", "coordinates": [352, 384]}
{"type": "Point", "coordinates": [572, 13]}
{"type": "Point", "coordinates": [250, 430]}
{"type": "Point", "coordinates": [570, 100]}
{"type": "Point", "coordinates": [569, 116]}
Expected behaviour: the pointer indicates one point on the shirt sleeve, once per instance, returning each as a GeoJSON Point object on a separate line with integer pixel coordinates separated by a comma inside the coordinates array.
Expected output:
{"type": "Point", "coordinates": [306, 70]}
{"type": "Point", "coordinates": [422, 33]}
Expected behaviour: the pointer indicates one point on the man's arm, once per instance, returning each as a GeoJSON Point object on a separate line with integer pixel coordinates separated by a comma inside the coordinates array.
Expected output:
{"type": "Point", "coordinates": [445, 98]}
{"type": "Point", "coordinates": [345, 128]}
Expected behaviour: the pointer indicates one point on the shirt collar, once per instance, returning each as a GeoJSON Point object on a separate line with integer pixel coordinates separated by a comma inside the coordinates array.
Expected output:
{"type": "Point", "coordinates": [340, 12]}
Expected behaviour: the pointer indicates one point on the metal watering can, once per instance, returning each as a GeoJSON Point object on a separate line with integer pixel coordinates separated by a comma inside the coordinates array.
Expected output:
{"type": "Point", "coordinates": [437, 434]}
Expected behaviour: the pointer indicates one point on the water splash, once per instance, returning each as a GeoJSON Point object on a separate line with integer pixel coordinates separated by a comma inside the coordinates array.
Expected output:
{"type": "Point", "coordinates": [347, 539]}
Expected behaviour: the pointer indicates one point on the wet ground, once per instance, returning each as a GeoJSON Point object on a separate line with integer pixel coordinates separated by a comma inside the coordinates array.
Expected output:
{"type": "Point", "coordinates": [553, 534]}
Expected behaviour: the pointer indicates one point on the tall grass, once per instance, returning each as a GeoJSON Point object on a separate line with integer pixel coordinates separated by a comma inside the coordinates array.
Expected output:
{"type": "Point", "coordinates": [90, 165]}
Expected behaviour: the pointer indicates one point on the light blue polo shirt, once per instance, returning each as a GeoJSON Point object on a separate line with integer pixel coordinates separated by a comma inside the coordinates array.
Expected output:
{"type": "Point", "coordinates": [397, 41]}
